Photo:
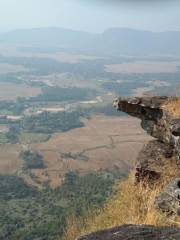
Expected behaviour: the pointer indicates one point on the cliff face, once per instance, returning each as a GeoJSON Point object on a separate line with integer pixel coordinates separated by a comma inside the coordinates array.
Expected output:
{"type": "Point", "coordinates": [165, 128]}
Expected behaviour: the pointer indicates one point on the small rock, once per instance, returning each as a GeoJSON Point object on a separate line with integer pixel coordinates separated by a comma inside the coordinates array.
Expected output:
{"type": "Point", "coordinates": [169, 200]}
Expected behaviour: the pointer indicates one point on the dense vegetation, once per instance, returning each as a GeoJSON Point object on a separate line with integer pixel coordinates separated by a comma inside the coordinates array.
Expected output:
{"type": "Point", "coordinates": [13, 134]}
{"type": "Point", "coordinates": [47, 122]}
{"type": "Point", "coordinates": [29, 214]}
{"type": "Point", "coordinates": [13, 187]}
{"type": "Point", "coordinates": [12, 108]}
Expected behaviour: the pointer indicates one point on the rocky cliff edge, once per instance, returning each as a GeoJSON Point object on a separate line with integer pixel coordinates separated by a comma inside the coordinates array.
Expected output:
{"type": "Point", "coordinates": [158, 121]}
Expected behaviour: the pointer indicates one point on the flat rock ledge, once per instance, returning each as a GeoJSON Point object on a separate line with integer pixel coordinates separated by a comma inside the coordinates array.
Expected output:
{"type": "Point", "coordinates": [135, 232]}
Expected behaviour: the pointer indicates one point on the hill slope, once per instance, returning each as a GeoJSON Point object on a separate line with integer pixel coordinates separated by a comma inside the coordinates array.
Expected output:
{"type": "Point", "coordinates": [115, 41]}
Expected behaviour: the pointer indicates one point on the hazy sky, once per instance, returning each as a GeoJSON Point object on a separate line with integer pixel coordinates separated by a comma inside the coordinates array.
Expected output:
{"type": "Point", "coordinates": [90, 15]}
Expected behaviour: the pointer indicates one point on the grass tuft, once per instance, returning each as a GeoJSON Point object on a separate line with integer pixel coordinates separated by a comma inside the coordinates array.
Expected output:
{"type": "Point", "coordinates": [173, 107]}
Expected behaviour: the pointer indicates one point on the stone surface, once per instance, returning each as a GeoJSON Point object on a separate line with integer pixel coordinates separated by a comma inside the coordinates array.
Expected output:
{"type": "Point", "coordinates": [169, 200]}
{"type": "Point", "coordinates": [151, 156]}
{"type": "Point", "coordinates": [135, 232]}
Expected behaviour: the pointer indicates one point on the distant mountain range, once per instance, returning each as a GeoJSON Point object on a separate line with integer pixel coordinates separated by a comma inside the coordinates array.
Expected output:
{"type": "Point", "coordinates": [115, 41]}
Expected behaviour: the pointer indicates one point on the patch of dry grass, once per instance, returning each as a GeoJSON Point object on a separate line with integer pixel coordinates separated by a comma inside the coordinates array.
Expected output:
{"type": "Point", "coordinates": [173, 107]}
{"type": "Point", "coordinates": [131, 204]}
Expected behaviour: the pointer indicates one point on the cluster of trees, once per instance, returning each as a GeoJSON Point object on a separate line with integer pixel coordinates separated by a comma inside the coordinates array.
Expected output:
{"type": "Point", "coordinates": [13, 133]}
{"type": "Point", "coordinates": [33, 159]}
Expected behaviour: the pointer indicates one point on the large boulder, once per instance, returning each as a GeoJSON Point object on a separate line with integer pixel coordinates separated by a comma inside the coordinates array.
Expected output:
{"type": "Point", "coordinates": [135, 232]}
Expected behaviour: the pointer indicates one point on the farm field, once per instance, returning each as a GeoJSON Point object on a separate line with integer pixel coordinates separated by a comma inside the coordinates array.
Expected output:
{"type": "Point", "coordinates": [104, 143]}
{"type": "Point", "coordinates": [11, 68]}
{"type": "Point", "coordinates": [11, 91]}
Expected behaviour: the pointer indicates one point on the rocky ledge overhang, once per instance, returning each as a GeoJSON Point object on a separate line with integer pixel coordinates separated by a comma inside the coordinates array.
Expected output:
{"type": "Point", "coordinates": [154, 119]}
{"type": "Point", "coordinates": [135, 232]}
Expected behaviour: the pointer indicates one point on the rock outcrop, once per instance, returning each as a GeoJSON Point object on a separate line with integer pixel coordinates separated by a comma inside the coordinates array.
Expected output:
{"type": "Point", "coordinates": [159, 124]}
{"type": "Point", "coordinates": [149, 158]}
{"type": "Point", "coordinates": [169, 200]}
{"type": "Point", "coordinates": [163, 126]}
{"type": "Point", "coordinates": [135, 232]}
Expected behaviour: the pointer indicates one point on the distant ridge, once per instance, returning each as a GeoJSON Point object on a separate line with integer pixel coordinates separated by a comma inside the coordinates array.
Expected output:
{"type": "Point", "coordinates": [50, 36]}
{"type": "Point", "coordinates": [114, 41]}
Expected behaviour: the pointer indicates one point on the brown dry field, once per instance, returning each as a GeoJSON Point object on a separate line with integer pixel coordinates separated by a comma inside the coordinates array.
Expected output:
{"type": "Point", "coordinates": [143, 67]}
{"type": "Point", "coordinates": [10, 91]}
{"type": "Point", "coordinates": [10, 51]}
{"type": "Point", "coordinates": [104, 143]}
{"type": "Point", "coordinates": [9, 158]}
